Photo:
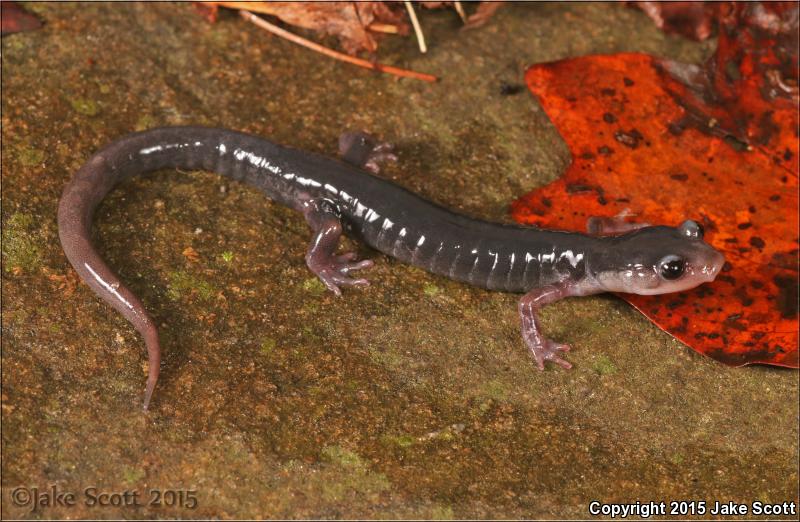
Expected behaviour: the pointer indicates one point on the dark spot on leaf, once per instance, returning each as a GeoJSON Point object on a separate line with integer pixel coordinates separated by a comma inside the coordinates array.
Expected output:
{"type": "Point", "coordinates": [755, 283]}
{"type": "Point", "coordinates": [679, 177]}
{"type": "Point", "coordinates": [574, 188]}
{"type": "Point", "coordinates": [675, 129]}
{"type": "Point", "coordinates": [608, 92]}
{"type": "Point", "coordinates": [787, 155]}
{"type": "Point", "coordinates": [727, 279]}
{"type": "Point", "coordinates": [745, 299]}
{"type": "Point", "coordinates": [629, 138]}
{"type": "Point", "coordinates": [627, 81]}
{"type": "Point", "coordinates": [547, 202]}
{"type": "Point", "coordinates": [751, 209]}
{"type": "Point", "coordinates": [704, 291]}
{"type": "Point", "coordinates": [744, 226]}
{"type": "Point", "coordinates": [731, 240]}
{"type": "Point", "coordinates": [605, 151]}
{"type": "Point", "coordinates": [609, 118]}
{"type": "Point", "coordinates": [757, 242]}
{"type": "Point", "coordinates": [787, 260]}
{"type": "Point", "coordinates": [775, 197]}
{"type": "Point", "coordinates": [587, 156]}
{"type": "Point", "coordinates": [787, 295]}
{"type": "Point", "coordinates": [767, 128]}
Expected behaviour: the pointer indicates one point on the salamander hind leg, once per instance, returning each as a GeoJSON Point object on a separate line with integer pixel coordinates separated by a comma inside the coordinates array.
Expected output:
{"type": "Point", "coordinates": [332, 269]}
{"type": "Point", "coordinates": [609, 226]}
{"type": "Point", "coordinates": [363, 150]}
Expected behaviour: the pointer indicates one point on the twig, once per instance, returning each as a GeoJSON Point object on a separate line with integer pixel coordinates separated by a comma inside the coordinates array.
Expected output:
{"type": "Point", "coordinates": [379, 27]}
{"type": "Point", "coordinates": [417, 29]}
{"type": "Point", "coordinates": [460, 11]}
{"type": "Point", "coordinates": [274, 29]}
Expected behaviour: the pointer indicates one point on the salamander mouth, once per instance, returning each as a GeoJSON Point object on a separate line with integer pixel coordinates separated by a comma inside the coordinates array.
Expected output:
{"type": "Point", "coordinates": [710, 270]}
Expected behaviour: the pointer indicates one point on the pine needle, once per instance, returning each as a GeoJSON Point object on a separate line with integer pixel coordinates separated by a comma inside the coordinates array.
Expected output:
{"type": "Point", "coordinates": [274, 29]}
{"type": "Point", "coordinates": [417, 29]}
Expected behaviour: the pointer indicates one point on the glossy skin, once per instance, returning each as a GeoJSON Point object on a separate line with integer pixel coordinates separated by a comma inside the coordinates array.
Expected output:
{"type": "Point", "coordinates": [336, 197]}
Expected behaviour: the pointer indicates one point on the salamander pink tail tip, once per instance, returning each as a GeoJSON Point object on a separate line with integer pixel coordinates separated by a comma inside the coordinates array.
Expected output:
{"type": "Point", "coordinates": [148, 394]}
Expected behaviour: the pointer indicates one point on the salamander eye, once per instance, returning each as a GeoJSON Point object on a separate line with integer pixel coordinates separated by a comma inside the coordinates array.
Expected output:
{"type": "Point", "coordinates": [672, 267]}
{"type": "Point", "coordinates": [691, 229]}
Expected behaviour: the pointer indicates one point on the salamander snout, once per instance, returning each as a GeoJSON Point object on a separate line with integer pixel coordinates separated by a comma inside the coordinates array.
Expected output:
{"type": "Point", "coordinates": [659, 260]}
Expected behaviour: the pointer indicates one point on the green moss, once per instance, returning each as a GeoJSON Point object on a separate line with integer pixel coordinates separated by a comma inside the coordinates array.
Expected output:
{"type": "Point", "coordinates": [676, 458]}
{"type": "Point", "coordinates": [494, 389]}
{"type": "Point", "coordinates": [144, 122]}
{"type": "Point", "coordinates": [342, 457]}
{"type": "Point", "coordinates": [388, 357]}
{"type": "Point", "coordinates": [442, 513]}
{"type": "Point", "coordinates": [431, 290]}
{"type": "Point", "coordinates": [181, 283]}
{"type": "Point", "coordinates": [13, 45]}
{"type": "Point", "coordinates": [402, 441]}
{"type": "Point", "coordinates": [227, 256]}
{"type": "Point", "coordinates": [30, 156]}
{"type": "Point", "coordinates": [267, 346]}
{"type": "Point", "coordinates": [352, 477]}
{"type": "Point", "coordinates": [314, 286]}
{"type": "Point", "coordinates": [84, 106]}
{"type": "Point", "coordinates": [132, 475]}
{"type": "Point", "coordinates": [604, 366]}
{"type": "Point", "coordinates": [20, 248]}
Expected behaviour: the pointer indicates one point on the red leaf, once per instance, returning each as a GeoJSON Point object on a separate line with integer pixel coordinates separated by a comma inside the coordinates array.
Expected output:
{"type": "Point", "coordinates": [627, 124]}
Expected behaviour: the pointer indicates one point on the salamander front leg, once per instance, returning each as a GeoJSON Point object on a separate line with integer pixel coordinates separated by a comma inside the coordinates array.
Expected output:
{"type": "Point", "coordinates": [542, 348]}
{"type": "Point", "coordinates": [321, 258]}
{"type": "Point", "coordinates": [363, 150]}
{"type": "Point", "coordinates": [609, 226]}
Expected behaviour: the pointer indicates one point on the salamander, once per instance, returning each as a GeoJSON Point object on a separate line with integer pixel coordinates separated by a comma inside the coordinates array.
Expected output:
{"type": "Point", "coordinates": [339, 196]}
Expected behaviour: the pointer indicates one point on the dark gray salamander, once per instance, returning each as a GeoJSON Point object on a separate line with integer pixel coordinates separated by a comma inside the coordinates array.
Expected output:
{"type": "Point", "coordinates": [336, 196]}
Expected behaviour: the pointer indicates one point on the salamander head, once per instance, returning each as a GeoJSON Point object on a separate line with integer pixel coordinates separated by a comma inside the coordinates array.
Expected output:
{"type": "Point", "coordinates": [657, 260]}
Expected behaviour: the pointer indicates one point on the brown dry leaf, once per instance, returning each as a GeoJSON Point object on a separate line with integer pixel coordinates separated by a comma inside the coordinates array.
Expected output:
{"type": "Point", "coordinates": [191, 254]}
{"type": "Point", "coordinates": [207, 10]}
{"type": "Point", "coordinates": [691, 19]}
{"type": "Point", "coordinates": [349, 21]}
{"type": "Point", "coordinates": [482, 14]}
